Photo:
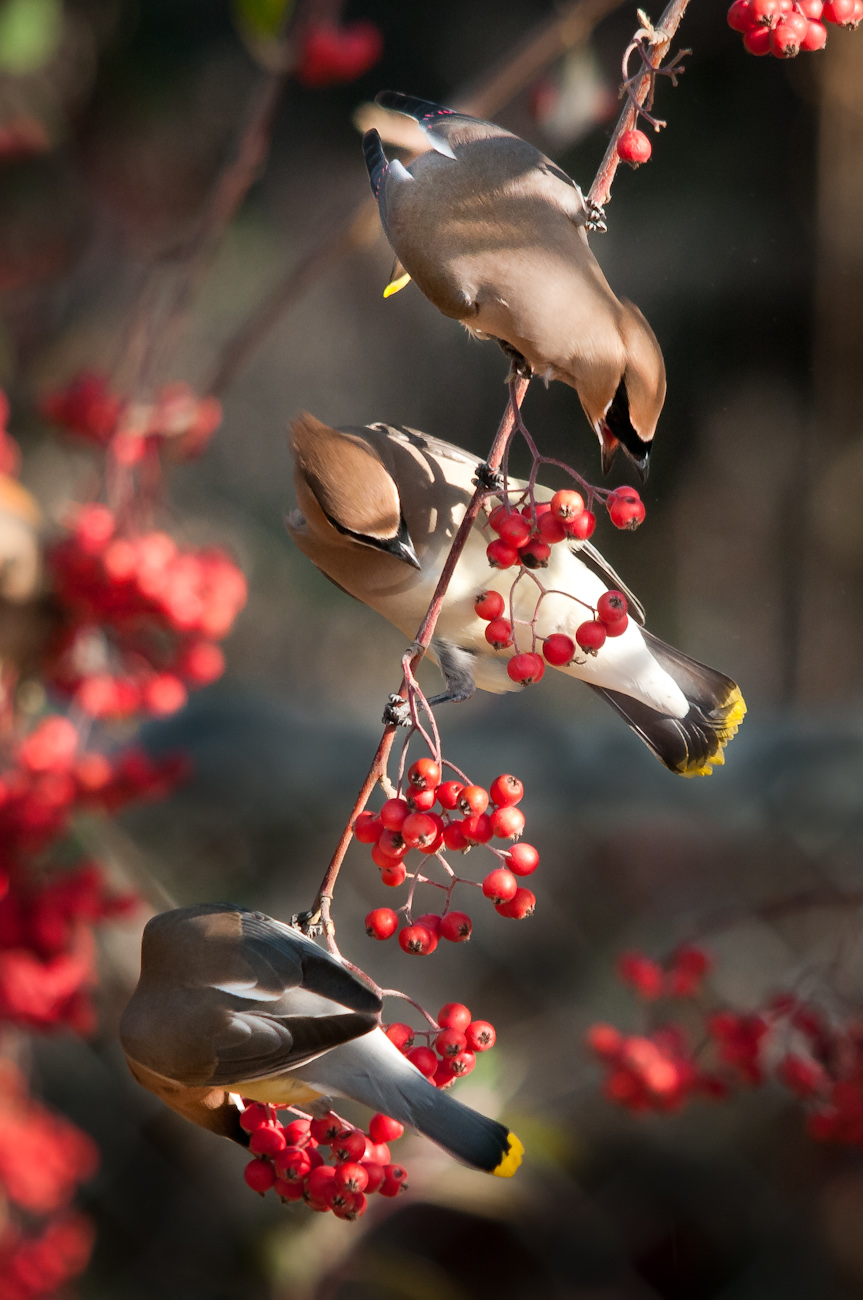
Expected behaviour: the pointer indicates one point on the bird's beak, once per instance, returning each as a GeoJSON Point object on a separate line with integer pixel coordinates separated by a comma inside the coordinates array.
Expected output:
{"type": "Point", "coordinates": [640, 461]}
{"type": "Point", "coordinates": [403, 548]}
{"type": "Point", "coordinates": [608, 446]}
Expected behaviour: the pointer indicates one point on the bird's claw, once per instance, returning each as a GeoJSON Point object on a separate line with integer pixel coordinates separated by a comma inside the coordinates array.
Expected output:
{"type": "Point", "coordinates": [489, 479]}
{"type": "Point", "coordinates": [309, 923]}
{"type": "Point", "coordinates": [595, 216]}
{"type": "Point", "coordinates": [397, 712]}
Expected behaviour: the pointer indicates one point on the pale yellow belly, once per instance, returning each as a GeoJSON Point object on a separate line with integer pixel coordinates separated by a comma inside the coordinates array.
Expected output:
{"type": "Point", "coordinates": [282, 1090]}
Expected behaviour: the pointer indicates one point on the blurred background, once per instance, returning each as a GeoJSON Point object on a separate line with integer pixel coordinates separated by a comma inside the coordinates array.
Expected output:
{"type": "Point", "coordinates": [742, 241]}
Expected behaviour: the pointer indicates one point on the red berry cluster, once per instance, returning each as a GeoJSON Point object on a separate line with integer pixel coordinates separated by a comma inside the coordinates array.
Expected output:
{"type": "Point", "coordinates": [43, 1160]}
{"type": "Point", "coordinates": [451, 1045]}
{"type": "Point", "coordinates": [526, 535]}
{"type": "Point", "coordinates": [330, 55]}
{"type": "Point", "coordinates": [289, 1159]}
{"type": "Point", "coordinates": [789, 1041]}
{"type": "Point", "coordinates": [785, 27]}
{"type": "Point", "coordinates": [469, 815]}
{"type": "Point", "coordinates": [176, 419]}
{"type": "Point", "coordinates": [142, 616]}
{"type": "Point", "coordinates": [47, 949]}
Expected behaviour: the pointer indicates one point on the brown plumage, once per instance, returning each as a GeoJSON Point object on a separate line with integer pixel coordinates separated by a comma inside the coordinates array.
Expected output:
{"type": "Point", "coordinates": [494, 234]}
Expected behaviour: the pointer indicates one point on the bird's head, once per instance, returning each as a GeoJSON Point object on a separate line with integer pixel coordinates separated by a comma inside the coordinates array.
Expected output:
{"type": "Point", "coordinates": [347, 498]}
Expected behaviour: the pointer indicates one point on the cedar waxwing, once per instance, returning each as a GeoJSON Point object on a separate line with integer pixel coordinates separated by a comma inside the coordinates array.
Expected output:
{"type": "Point", "coordinates": [408, 493]}
{"type": "Point", "coordinates": [232, 1002]}
{"type": "Point", "coordinates": [494, 234]}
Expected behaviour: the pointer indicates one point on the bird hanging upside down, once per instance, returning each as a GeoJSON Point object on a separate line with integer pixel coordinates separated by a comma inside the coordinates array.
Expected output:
{"type": "Point", "coordinates": [495, 235]}
{"type": "Point", "coordinates": [232, 1002]}
{"type": "Point", "coordinates": [378, 509]}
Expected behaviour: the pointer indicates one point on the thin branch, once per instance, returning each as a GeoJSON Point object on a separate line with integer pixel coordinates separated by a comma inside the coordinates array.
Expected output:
{"type": "Point", "coordinates": [638, 92]}
{"type": "Point", "coordinates": [361, 228]}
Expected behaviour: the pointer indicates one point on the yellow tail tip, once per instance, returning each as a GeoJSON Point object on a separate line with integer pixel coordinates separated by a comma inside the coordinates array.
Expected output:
{"type": "Point", "coordinates": [512, 1159]}
{"type": "Point", "coordinates": [395, 285]}
{"type": "Point", "coordinates": [735, 712]}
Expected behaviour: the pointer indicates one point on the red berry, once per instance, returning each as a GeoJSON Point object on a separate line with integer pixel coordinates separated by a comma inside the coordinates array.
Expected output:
{"type": "Point", "coordinates": [558, 649]}
{"type": "Point", "coordinates": [499, 885]}
{"type": "Point", "coordinates": [786, 36]}
{"type": "Point", "coordinates": [480, 1035]}
{"type": "Point", "coordinates": [522, 904]}
{"type": "Point", "coordinates": [392, 845]}
{"type": "Point", "coordinates": [393, 874]}
{"type": "Point", "coordinates": [424, 774]}
{"type": "Point", "coordinates": [392, 1187]}
{"type": "Point", "coordinates": [351, 1176]}
{"type": "Point", "coordinates": [327, 1128]}
{"type": "Point", "coordinates": [757, 41]}
{"type": "Point", "coordinates": [384, 1129]}
{"type": "Point", "coordinates": [254, 1116]}
{"type": "Point", "coordinates": [378, 1153]}
{"type": "Point", "coordinates": [498, 633]}
{"type": "Point", "coordinates": [292, 1164]}
{"type": "Point", "coordinates": [163, 694]}
{"type": "Point", "coordinates": [454, 1015]}
{"type": "Point", "coordinates": [449, 794]}
{"type": "Point", "coordinates": [393, 813]}
{"type": "Point", "coordinates": [375, 1174]}
{"type": "Point", "coordinates": [582, 527]}
{"type": "Point", "coordinates": [550, 528]}
{"type": "Point", "coordinates": [367, 828]}
{"type": "Point", "coordinates": [297, 1132]}
{"type": "Point", "coordinates": [437, 842]}
{"type": "Point", "coordinates": [525, 668]}
{"type": "Point", "coordinates": [455, 926]}
{"type": "Point", "coordinates": [605, 1040]}
{"type": "Point", "coordinates": [535, 554]}
{"type": "Point", "coordinates": [507, 823]}
{"type": "Point", "coordinates": [816, 36]}
{"type": "Point", "coordinates": [591, 636]}
{"type": "Point", "coordinates": [765, 13]}
{"type": "Point", "coordinates": [617, 628]}
{"type": "Point", "coordinates": [506, 790]}
{"type": "Point", "coordinates": [259, 1175]}
{"type": "Point", "coordinates": [453, 838]}
{"type": "Point", "coordinates": [811, 9]}
{"type": "Point", "coordinates": [424, 1059]}
{"type": "Point", "coordinates": [489, 605]}
{"type": "Point", "coordinates": [319, 1180]}
{"type": "Point", "coordinates": [498, 515]}
{"type": "Point", "coordinates": [625, 513]}
{"type": "Point", "coordinates": [381, 923]}
{"type": "Point", "coordinates": [443, 1075]}
{"type": "Point", "coordinates": [450, 1042]}
{"type": "Point", "coordinates": [634, 148]}
{"type": "Point", "coordinates": [418, 939]}
{"type": "Point", "coordinates": [473, 799]}
{"type": "Point", "coordinates": [515, 531]}
{"type": "Point", "coordinates": [463, 1063]}
{"type": "Point", "coordinates": [501, 556]}
{"type": "Point", "coordinates": [268, 1140]}
{"type": "Point", "coordinates": [522, 859]}
{"type": "Point", "coordinates": [567, 504]}
{"type": "Point", "coordinates": [421, 800]}
{"type": "Point", "coordinates": [431, 921]}
{"type": "Point", "coordinates": [839, 12]}
{"type": "Point", "coordinates": [418, 829]}
{"type": "Point", "coordinates": [478, 829]}
{"type": "Point", "coordinates": [401, 1035]}
{"type": "Point", "coordinates": [350, 1146]}
{"type": "Point", "coordinates": [611, 606]}
{"type": "Point", "coordinates": [287, 1190]}
{"type": "Point", "coordinates": [739, 18]}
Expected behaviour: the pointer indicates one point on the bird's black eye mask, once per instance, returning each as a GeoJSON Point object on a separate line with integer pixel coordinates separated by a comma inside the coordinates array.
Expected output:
{"type": "Point", "coordinates": [400, 546]}
{"type": "Point", "coordinates": [620, 425]}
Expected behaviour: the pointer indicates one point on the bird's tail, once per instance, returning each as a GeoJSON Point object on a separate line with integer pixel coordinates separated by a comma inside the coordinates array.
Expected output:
{"type": "Point", "coordinates": [376, 159]}
{"type": "Point", "coordinates": [693, 745]}
{"type": "Point", "coordinates": [373, 1071]}
{"type": "Point", "coordinates": [410, 105]}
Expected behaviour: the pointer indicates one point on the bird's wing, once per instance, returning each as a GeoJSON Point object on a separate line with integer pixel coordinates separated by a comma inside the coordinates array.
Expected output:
{"type": "Point", "coordinates": [587, 551]}
{"type": "Point", "coordinates": [436, 122]}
